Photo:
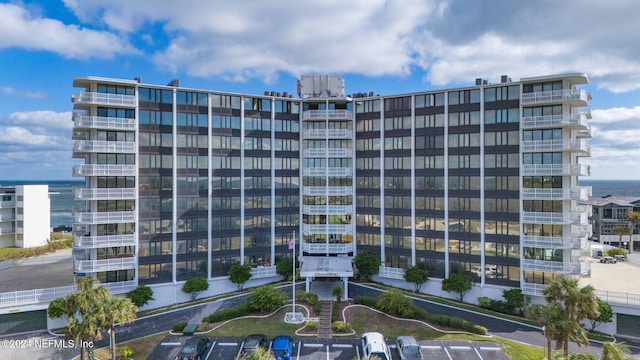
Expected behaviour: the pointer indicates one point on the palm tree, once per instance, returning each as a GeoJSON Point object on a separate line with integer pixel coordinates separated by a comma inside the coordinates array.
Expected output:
{"type": "Point", "coordinates": [620, 230]}
{"type": "Point", "coordinates": [615, 351]}
{"type": "Point", "coordinates": [117, 310]}
{"type": "Point", "coordinates": [547, 317]}
{"type": "Point", "coordinates": [634, 218]}
{"type": "Point", "coordinates": [577, 304]}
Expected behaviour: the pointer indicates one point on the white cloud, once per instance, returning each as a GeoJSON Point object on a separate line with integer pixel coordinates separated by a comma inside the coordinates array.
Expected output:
{"type": "Point", "coordinates": [38, 95]}
{"type": "Point", "coordinates": [19, 28]}
{"type": "Point", "coordinates": [42, 121]}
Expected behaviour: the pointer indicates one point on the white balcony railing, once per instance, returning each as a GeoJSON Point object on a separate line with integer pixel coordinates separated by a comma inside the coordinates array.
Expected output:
{"type": "Point", "coordinates": [327, 114]}
{"type": "Point", "coordinates": [579, 96]}
{"type": "Point", "coordinates": [111, 217]}
{"type": "Point", "coordinates": [103, 193]}
{"type": "Point", "coordinates": [103, 122]}
{"type": "Point", "coordinates": [104, 265]}
{"type": "Point", "coordinates": [327, 209]}
{"type": "Point", "coordinates": [577, 268]}
{"type": "Point", "coordinates": [327, 171]}
{"type": "Point", "coordinates": [391, 272]}
{"type": "Point", "coordinates": [104, 170]}
{"type": "Point", "coordinates": [576, 217]}
{"type": "Point", "coordinates": [323, 190]}
{"type": "Point", "coordinates": [7, 204]}
{"type": "Point", "coordinates": [556, 145]}
{"type": "Point", "coordinates": [324, 248]}
{"type": "Point", "coordinates": [324, 152]}
{"type": "Point", "coordinates": [554, 242]}
{"type": "Point", "coordinates": [556, 169]}
{"type": "Point", "coordinates": [584, 133]}
{"type": "Point", "coordinates": [578, 120]}
{"type": "Point", "coordinates": [104, 146]}
{"type": "Point", "coordinates": [46, 295]}
{"type": "Point", "coordinates": [574, 193]}
{"type": "Point", "coordinates": [326, 229]}
{"type": "Point", "coordinates": [95, 98]}
{"type": "Point", "coordinates": [263, 272]}
{"type": "Point", "coordinates": [105, 241]}
{"type": "Point", "coordinates": [327, 134]}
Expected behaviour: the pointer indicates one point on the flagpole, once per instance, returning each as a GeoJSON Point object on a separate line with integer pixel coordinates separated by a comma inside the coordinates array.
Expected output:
{"type": "Point", "coordinates": [293, 281]}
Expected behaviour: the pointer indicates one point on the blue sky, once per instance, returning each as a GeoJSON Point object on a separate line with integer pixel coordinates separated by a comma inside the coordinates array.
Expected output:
{"type": "Point", "coordinates": [250, 46]}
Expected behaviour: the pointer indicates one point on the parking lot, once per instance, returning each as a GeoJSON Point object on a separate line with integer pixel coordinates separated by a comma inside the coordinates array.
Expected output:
{"type": "Point", "coordinates": [338, 349]}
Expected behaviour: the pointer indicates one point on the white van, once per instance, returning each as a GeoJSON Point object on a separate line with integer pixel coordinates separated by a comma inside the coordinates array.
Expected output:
{"type": "Point", "coordinates": [373, 344]}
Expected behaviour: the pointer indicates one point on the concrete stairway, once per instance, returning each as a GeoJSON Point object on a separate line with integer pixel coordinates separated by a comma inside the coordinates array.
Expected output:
{"type": "Point", "coordinates": [324, 322]}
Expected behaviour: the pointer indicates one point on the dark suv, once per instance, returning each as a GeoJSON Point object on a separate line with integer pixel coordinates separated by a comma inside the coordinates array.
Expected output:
{"type": "Point", "coordinates": [252, 343]}
{"type": "Point", "coordinates": [193, 349]}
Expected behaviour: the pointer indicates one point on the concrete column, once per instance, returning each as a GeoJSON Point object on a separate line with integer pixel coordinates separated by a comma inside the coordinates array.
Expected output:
{"type": "Point", "coordinates": [345, 281]}
{"type": "Point", "coordinates": [307, 283]}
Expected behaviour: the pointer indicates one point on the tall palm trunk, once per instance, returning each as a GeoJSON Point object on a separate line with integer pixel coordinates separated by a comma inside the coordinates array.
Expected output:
{"type": "Point", "coordinates": [112, 342]}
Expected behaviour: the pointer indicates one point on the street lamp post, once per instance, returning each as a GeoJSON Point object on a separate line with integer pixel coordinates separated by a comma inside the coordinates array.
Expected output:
{"type": "Point", "coordinates": [544, 332]}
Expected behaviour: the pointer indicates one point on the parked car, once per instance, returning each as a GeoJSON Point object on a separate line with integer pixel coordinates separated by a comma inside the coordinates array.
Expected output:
{"type": "Point", "coordinates": [620, 257]}
{"type": "Point", "coordinates": [375, 346]}
{"type": "Point", "coordinates": [193, 349]}
{"type": "Point", "coordinates": [608, 260]}
{"type": "Point", "coordinates": [408, 348]}
{"type": "Point", "coordinates": [282, 347]}
{"type": "Point", "coordinates": [252, 343]}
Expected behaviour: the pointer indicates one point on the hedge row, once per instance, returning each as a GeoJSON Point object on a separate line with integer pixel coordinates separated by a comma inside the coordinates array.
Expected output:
{"type": "Point", "coordinates": [228, 314]}
{"type": "Point", "coordinates": [51, 246]}
{"type": "Point", "coordinates": [421, 314]}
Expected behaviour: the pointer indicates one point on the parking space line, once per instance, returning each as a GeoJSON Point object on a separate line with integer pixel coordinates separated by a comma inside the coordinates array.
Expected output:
{"type": "Point", "coordinates": [460, 347]}
{"type": "Point", "coordinates": [312, 345]}
{"type": "Point", "coordinates": [430, 346]}
{"type": "Point", "coordinates": [447, 351]}
{"type": "Point", "coordinates": [299, 349]}
{"type": "Point", "coordinates": [170, 344]}
{"type": "Point", "coordinates": [494, 348]}
{"type": "Point", "coordinates": [358, 352]}
{"type": "Point", "coordinates": [213, 344]}
{"type": "Point", "coordinates": [342, 345]}
{"type": "Point", "coordinates": [328, 352]}
{"type": "Point", "coordinates": [228, 344]}
{"type": "Point", "coordinates": [478, 352]}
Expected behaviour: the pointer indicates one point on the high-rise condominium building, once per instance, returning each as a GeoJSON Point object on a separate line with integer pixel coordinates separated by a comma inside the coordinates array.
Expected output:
{"type": "Point", "coordinates": [24, 216]}
{"type": "Point", "coordinates": [185, 182]}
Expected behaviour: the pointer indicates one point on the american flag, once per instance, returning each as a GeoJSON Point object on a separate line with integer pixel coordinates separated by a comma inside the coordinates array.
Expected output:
{"type": "Point", "coordinates": [291, 243]}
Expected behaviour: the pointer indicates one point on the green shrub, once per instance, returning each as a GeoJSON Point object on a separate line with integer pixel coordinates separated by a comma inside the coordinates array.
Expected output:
{"type": "Point", "coordinates": [420, 314]}
{"type": "Point", "coordinates": [616, 251]}
{"type": "Point", "coordinates": [266, 298]}
{"type": "Point", "coordinates": [311, 325]}
{"type": "Point", "coordinates": [312, 298]}
{"type": "Point", "coordinates": [582, 356]}
{"type": "Point", "coordinates": [394, 302]}
{"type": "Point", "coordinates": [179, 326]}
{"type": "Point", "coordinates": [484, 302]}
{"type": "Point", "coordinates": [317, 308]}
{"type": "Point", "coordinates": [335, 313]}
{"type": "Point", "coordinates": [457, 323]}
{"type": "Point", "coordinates": [228, 314]}
{"type": "Point", "coordinates": [341, 326]}
{"type": "Point", "coordinates": [369, 301]}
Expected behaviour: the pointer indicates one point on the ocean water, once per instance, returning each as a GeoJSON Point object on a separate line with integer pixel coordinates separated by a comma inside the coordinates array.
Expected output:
{"type": "Point", "coordinates": [62, 201]}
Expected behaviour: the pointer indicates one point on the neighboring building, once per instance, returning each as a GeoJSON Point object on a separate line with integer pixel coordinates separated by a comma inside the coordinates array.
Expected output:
{"type": "Point", "coordinates": [185, 182]}
{"type": "Point", "coordinates": [611, 211]}
{"type": "Point", "coordinates": [24, 215]}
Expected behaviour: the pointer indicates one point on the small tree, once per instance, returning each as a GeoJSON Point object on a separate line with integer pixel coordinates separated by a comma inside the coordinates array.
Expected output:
{"type": "Point", "coordinates": [514, 300]}
{"type": "Point", "coordinates": [394, 302]}
{"type": "Point", "coordinates": [620, 230]}
{"type": "Point", "coordinates": [337, 292]}
{"type": "Point", "coordinates": [459, 283]}
{"type": "Point", "coordinates": [239, 274]}
{"type": "Point", "coordinates": [615, 351]}
{"type": "Point", "coordinates": [117, 310]}
{"type": "Point", "coordinates": [56, 308]}
{"type": "Point", "coordinates": [367, 263]}
{"type": "Point", "coordinates": [194, 286]}
{"type": "Point", "coordinates": [141, 295]}
{"type": "Point", "coordinates": [417, 276]}
{"type": "Point", "coordinates": [266, 298]}
{"type": "Point", "coordinates": [284, 267]}
{"type": "Point", "coordinates": [605, 316]}
{"type": "Point", "coordinates": [258, 354]}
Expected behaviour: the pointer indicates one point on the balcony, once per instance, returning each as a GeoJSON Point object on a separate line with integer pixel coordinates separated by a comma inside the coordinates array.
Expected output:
{"type": "Point", "coordinates": [7, 204]}
{"type": "Point", "coordinates": [324, 248]}
{"type": "Point", "coordinates": [327, 134]}
{"type": "Point", "coordinates": [324, 190]}
{"type": "Point", "coordinates": [94, 146]}
{"type": "Point", "coordinates": [92, 242]}
{"type": "Point", "coordinates": [103, 194]}
{"type": "Point", "coordinates": [332, 153]}
{"type": "Point", "coordinates": [326, 229]}
{"type": "Point", "coordinates": [7, 217]}
{"type": "Point", "coordinates": [7, 231]}
{"type": "Point", "coordinates": [327, 209]}
{"type": "Point", "coordinates": [101, 122]}
{"type": "Point", "coordinates": [104, 170]}
{"type": "Point", "coordinates": [104, 265]}
{"type": "Point", "coordinates": [327, 115]}
{"type": "Point", "coordinates": [112, 217]}
{"type": "Point", "coordinates": [556, 169]}
{"type": "Point", "coordinates": [577, 97]}
{"type": "Point", "coordinates": [579, 146]}
{"type": "Point", "coordinates": [584, 133]}
{"type": "Point", "coordinates": [575, 193]}
{"type": "Point", "coordinates": [95, 98]}
{"type": "Point", "coordinates": [532, 289]}
{"type": "Point", "coordinates": [546, 266]}
{"type": "Point", "coordinates": [576, 218]}
{"type": "Point", "coordinates": [554, 242]}
{"type": "Point", "coordinates": [578, 121]}
{"type": "Point", "coordinates": [327, 171]}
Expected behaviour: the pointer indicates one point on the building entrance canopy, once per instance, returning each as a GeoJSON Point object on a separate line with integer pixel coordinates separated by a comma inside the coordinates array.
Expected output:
{"type": "Point", "coordinates": [325, 266]}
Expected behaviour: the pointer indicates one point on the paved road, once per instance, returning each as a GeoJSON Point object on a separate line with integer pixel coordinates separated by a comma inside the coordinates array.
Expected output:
{"type": "Point", "coordinates": [38, 273]}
